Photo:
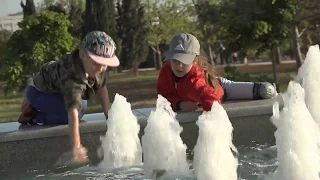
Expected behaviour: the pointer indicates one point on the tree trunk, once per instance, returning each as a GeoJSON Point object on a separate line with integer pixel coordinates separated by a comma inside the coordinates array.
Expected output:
{"type": "Point", "coordinates": [115, 70]}
{"type": "Point", "coordinates": [155, 60]}
{"type": "Point", "coordinates": [159, 58]}
{"type": "Point", "coordinates": [296, 46]}
{"type": "Point", "coordinates": [119, 68]}
{"type": "Point", "coordinates": [274, 67]}
{"type": "Point", "coordinates": [278, 55]}
{"type": "Point", "coordinates": [211, 61]}
{"type": "Point", "coordinates": [155, 52]}
{"type": "Point", "coordinates": [108, 72]}
{"type": "Point", "coordinates": [291, 47]}
{"type": "Point", "coordinates": [135, 67]}
{"type": "Point", "coordinates": [309, 39]}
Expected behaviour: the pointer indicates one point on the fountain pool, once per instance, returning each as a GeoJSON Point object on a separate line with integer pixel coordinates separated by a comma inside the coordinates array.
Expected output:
{"type": "Point", "coordinates": [254, 162]}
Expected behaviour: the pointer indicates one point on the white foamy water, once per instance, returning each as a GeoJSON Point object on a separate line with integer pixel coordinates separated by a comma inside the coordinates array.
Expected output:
{"type": "Point", "coordinates": [121, 144]}
{"type": "Point", "coordinates": [213, 158]}
{"type": "Point", "coordinates": [309, 78]}
{"type": "Point", "coordinates": [163, 149]}
{"type": "Point", "coordinates": [297, 138]}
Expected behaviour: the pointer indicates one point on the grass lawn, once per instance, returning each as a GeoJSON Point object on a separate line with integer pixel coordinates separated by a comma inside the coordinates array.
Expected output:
{"type": "Point", "coordinates": [140, 92]}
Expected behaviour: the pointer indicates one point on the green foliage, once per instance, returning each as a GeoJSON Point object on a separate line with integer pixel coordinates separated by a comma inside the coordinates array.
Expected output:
{"type": "Point", "coordinates": [58, 8]}
{"type": "Point", "coordinates": [100, 15]}
{"type": "Point", "coordinates": [90, 21]}
{"type": "Point", "coordinates": [168, 19]}
{"type": "Point", "coordinates": [268, 24]}
{"type": "Point", "coordinates": [75, 12]}
{"type": "Point", "coordinates": [43, 37]}
{"type": "Point", "coordinates": [233, 74]}
{"type": "Point", "coordinates": [209, 18]}
{"type": "Point", "coordinates": [133, 31]}
{"type": "Point", "coordinates": [29, 8]}
{"type": "Point", "coordinates": [46, 3]}
{"type": "Point", "coordinates": [4, 37]}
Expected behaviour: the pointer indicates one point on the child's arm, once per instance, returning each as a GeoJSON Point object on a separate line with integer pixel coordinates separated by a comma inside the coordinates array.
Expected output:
{"type": "Point", "coordinates": [204, 93]}
{"type": "Point", "coordinates": [73, 117]}
{"type": "Point", "coordinates": [188, 106]}
{"type": "Point", "coordinates": [71, 92]}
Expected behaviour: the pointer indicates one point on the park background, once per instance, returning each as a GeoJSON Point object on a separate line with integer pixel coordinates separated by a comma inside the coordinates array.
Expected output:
{"type": "Point", "coordinates": [247, 40]}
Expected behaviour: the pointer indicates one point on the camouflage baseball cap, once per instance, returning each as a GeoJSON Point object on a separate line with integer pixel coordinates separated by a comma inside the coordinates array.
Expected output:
{"type": "Point", "coordinates": [101, 48]}
{"type": "Point", "coordinates": [184, 47]}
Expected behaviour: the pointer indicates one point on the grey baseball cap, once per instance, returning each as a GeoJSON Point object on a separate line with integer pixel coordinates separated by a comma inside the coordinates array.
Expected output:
{"type": "Point", "coordinates": [184, 47]}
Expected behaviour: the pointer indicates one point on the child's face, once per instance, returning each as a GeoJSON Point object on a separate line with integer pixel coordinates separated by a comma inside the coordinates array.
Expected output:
{"type": "Point", "coordinates": [91, 67]}
{"type": "Point", "coordinates": [180, 69]}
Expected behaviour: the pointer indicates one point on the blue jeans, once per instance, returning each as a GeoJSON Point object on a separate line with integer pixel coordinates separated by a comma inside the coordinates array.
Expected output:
{"type": "Point", "coordinates": [51, 108]}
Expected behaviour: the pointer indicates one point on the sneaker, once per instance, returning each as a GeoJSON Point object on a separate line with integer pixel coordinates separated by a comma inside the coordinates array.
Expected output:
{"type": "Point", "coordinates": [28, 114]}
{"type": "Point", "coordinates": [264, 90]}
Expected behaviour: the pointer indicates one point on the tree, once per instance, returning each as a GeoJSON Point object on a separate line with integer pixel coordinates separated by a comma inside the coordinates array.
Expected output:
{"type": "Point", "coordinates": [90, 21]}
{"type": "Point", "coordinates": [73, 8]}
{"type": "Point", "coordinates": [306, 18]}
{"type": "Point", "coordinates": [4, 37]}
{"type": "Point", "coordinates": [29, 8]}
{"type": "Point", "coordinates": [209, 18]}
{"type": "Point", "coordinates": [166, 20]}
{"type": "Point", "coordinates": [46, 3]}
{"type": "Point", "coordinates": [142, 47]}
{"type": "Point", "coordinates": [100, 15]}
{"type": "Point", "coordinates": [266, 25]}
{"type": "Point", "coordinates": [75, 12]}
{"type": "Point", "coordinates": [57, 7]}
{"type": "Point", "coordinates": [133, 31]}
{"type": "Point", "coordinates": [43, 37]}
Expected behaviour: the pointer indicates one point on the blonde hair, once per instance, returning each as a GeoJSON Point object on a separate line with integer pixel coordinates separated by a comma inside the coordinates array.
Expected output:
{"type": "Point", "coordinates": [209, 72]}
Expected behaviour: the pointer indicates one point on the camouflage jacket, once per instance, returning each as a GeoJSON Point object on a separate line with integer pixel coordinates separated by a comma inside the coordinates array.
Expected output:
{"type": "Point", "coordinates": [67, 77]}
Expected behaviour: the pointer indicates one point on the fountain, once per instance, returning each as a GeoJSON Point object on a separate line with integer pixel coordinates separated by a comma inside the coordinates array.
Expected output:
{"type": "Point", "coordinates": [121, 144]}
{"type": "Point", "coordinates": [163, 150]}
{"type": "Point", "coordinates": [309, 78]}
{"type": "Point", "coordinates": [213, 153]}
{"type": "Point", "coordinates": [297, 138]}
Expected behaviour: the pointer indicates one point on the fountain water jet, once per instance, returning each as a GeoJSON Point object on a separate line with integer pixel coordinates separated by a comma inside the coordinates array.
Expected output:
{"type": "Point", "coordinates": [121, 144]}
{"type": "Point", "coordinates": [214, 153]}
{"type": "Point", "coordinates": [163, 150]}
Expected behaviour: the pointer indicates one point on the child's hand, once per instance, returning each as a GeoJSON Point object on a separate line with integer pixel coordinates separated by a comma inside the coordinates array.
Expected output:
{"type": "Point", "coordinates": [74, 157]}
{"type": "Point", "coordinates": [188, 106]}
{"type": "Point", "coordinates": [80, 154]}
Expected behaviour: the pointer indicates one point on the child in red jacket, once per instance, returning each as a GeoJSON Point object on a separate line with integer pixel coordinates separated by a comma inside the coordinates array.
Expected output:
{"type": "Point", "coordinates": [188, 81]}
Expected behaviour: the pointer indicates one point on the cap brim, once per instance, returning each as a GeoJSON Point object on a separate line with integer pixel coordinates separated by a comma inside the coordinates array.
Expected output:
{"type": "Point", "coordinates": [112, 62]}
{"type": "Point", "coordinates": [182, 57]}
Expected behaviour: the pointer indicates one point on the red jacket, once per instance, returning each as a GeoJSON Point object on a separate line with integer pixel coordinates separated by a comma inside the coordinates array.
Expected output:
{"type": "Point", "coordinates": [192, 87]}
